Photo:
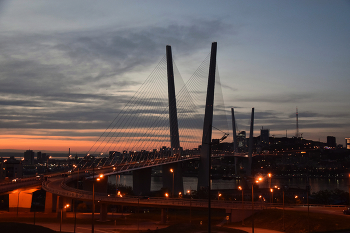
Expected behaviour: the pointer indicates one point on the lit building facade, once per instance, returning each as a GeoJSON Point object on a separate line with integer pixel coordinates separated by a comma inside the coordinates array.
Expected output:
{"type": "Point", "coordinates": [347, 143]}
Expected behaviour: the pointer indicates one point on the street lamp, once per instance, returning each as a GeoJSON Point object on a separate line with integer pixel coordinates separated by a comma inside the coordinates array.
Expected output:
{"type": "Point", "coordinates": [270, 177]}
{"type": "Point", "coordinates": [271, 190]}
{"type": "Point", "coordinates": [257, 181]}
{"type": "Point", "coordinates": [93, 199]}
{"type": "Point", "coordinates": [240, 188]}
{"type": "Point", "coordinates": [66, 206]}
{"type": "Point", "coordinates": [172, 171]}
{"type": "Point", "coordinates": [349, 188]}
{"type": "Point", "coordinates": [284, 188]}
{"type": "Point", "coordinates": [189, 192]}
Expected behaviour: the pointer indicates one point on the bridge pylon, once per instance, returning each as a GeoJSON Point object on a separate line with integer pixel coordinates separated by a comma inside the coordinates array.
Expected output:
{"type": "Point", "coordinates": [203, 173]}
{"type": "Point", "coordinates": [250, 146]}
{"type": "Point", "coordinates": [172, 180]}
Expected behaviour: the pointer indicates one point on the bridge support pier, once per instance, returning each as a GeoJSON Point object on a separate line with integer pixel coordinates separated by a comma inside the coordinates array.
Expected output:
{"type": "Point", "coordinates": [50, 202]}
{"type": "Point", "coordinates": [168, 178]}
{"type": "Point", "coordinates": [21, 200]}
{"type": "Point", "coordinates": [163, 215]}
{"type": "Point", "coordinates": [103, 212]}
{"type": "Point", "coordinates": [142, 181]}
{"type": "Point", "coordinates": [237, 215]}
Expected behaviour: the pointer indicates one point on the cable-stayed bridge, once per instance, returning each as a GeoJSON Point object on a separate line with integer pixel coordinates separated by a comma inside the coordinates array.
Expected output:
{"type": "Point", "coordinates": [138, 137]}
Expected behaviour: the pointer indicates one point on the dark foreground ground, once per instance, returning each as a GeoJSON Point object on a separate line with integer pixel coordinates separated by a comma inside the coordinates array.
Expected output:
{"type": "Point", "coordinates": [178, 221]}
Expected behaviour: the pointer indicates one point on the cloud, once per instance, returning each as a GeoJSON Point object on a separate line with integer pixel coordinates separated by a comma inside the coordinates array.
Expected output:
{"type": "Point", "coordinates": [80, 79]}
{"type": "Point", "coordinates": [279, 98]}
{"type": "Point", "coordinates": [308, 114]}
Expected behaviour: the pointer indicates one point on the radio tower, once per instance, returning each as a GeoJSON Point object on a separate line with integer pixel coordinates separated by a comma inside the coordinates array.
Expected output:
{"type": "Point", "coordinates": [297, 133]}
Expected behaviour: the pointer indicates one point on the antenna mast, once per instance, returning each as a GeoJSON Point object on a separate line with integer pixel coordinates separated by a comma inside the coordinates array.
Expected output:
{"type": "Point", "coordinates": [297, 133]}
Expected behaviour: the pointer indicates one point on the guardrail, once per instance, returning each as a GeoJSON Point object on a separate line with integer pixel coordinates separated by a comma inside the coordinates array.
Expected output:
{"type": "Point", "coordinates": [157, 201]}
{"type": "Point", "coordinates": [160, 201]}
{"type": "Point", "coordinates": [20, 184]}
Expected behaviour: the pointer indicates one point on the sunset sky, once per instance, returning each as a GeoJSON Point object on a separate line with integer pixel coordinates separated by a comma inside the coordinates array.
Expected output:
{"type": "Point", "coordinates": [68, 67]}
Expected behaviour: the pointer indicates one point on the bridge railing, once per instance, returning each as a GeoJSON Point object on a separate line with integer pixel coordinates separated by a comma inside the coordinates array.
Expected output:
{"type": "Point", "coordinates": [103, 197]}
{"type": "Point", "coordinates": [12, 186]}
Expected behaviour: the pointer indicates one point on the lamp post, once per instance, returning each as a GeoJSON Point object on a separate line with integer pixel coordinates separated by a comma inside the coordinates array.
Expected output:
{"type": "Point", "coordinates": [75, 205]}
{"type": "Point", "coordinates": [240, 188]}
{"type": "Point", "coordinates": [270, 177]}
{"type": "Point", "coordinates": [308, 207]}
{"type": "Point", "coordinates": [172, 171]}
{"type": "Point", "coordinates": [93, 199]}
{"type": "Point", "coordinates": [189, 192]}
{"type": "Point", "coordinates": [138, 212]}
{"type": "Point", "coordinates": [283, 211]}
{"type": "Point", "coordinates": [66, 206]}
{"type": "Point", "coordinates": [284, 188]}
{"type": "Point", "coordinates": [75, 214]}
{"type": "Point", "coordinates": [257, 181]}
{"type": "Point", "coordinates": [349, 188]}
{"type": "Point", "coordinates": [271, 190]}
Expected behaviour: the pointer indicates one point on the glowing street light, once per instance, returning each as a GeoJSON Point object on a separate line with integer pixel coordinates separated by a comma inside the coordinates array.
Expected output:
{"type": "Point", "coordinates": [270, 177]}
{"type": "Point", "coordinates": [240, 188]}
{"type": "Point", "coordinates": [93, 199]}
{"type": "Point", "coordinates": [65, 207]}
{"type": "Point", "coordinates": [271, 190]}
{"type": "Point", "coordinates": [172, 171]}
{"type": "Point", "coordinates": [257, 181]}
{"type": "Point", "coordinates": [189, 192]}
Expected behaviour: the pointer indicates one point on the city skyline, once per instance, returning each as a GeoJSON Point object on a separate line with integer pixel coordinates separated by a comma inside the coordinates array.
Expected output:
{"type": "Point", "coordinates": [67, 69]}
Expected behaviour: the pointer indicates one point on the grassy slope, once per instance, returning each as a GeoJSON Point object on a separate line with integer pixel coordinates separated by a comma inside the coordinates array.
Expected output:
{"type": "Point", "coordinates": [11, 227]}
{"type": "Point", "coordinates": [296, 221]}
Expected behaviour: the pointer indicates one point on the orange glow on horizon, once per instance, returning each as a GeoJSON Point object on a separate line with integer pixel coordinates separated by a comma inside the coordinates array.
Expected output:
{"type": "Point", "coordinates": [37, 139]}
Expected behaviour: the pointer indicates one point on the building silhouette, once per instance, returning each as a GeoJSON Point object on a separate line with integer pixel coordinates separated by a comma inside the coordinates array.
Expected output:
{"type": "Point", "coordinates": [28, 157]}
{"type": "Point", "coordinates": [331, 142]}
